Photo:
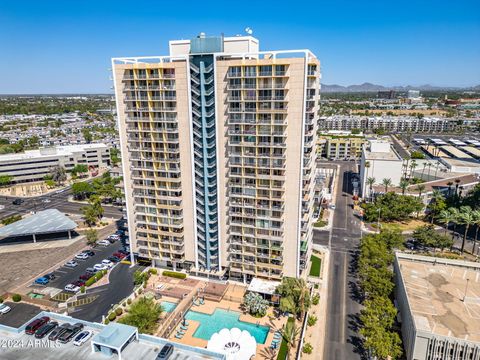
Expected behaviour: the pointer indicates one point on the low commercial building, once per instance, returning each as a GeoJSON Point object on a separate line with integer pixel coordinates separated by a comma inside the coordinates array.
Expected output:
{"type": "Point", "coordinates": [340, 145]}
{"type": "Point", "coordinates": [33, 165]}
{"type": "Point", "coordinates": [439, 307]}
{"type": "Point", "coordinates": [379, 161]}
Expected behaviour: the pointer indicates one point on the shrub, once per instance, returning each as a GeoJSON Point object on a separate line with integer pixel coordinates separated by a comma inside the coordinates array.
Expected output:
{"type": "Point", "coordinates": [255, 304]}
{"type": "Point", "coordinates": [311, 320]}
{"type": "Point", "coordinates": [16, 297]}
{"type": "Point", "coordinates": [174, 274]}
{"type": "Point", "coordinates": [315, 299]}
{"type": "Point", "coordinates": [140, 277]}
{"type": "Point", "coordinates": [153, 271]}
{"type": "Point", "coordinates": [307, 348]}
{"type": "Point", "coordinates": [106, 322]}
{"type": "Point", "coordinates": [129, 301]}
{"type": "Point", "coordinates": [82, 289]}
{"type": "Point", "coordinates": [139, 291]}
{"type": "Point", "coordinates": [118, 311]}
{"type": "Point", "coordinates": [112, 316]}
{"type": "Point", "coordinates": [124, 304]}
{"type": "Point", "coordinates": [1, 300]}
{"type": "Point", "coordinates": [90, 281]}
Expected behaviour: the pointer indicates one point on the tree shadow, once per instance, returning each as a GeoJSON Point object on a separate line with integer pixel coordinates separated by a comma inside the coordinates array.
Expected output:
{"type": "Point", "coordinates": [358, 348]}
{"type": "Point", "coordinates": [269, 354]}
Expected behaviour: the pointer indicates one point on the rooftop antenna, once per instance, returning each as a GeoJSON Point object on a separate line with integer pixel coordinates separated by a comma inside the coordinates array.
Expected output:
{"type": "Point", "coordinates": [249, 30]}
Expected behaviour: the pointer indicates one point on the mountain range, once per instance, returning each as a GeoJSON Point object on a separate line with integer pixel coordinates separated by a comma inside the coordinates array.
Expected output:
{"type": "Point", "coordinates": [369, 87]}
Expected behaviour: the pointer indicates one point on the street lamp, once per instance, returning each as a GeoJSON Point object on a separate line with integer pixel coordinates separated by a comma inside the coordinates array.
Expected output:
{"type": "Point", "coordinates": [466, 289]}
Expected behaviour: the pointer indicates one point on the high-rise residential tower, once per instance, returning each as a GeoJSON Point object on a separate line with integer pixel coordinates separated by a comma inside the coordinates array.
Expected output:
{"type": "Point", "coordinates": [218, 150]}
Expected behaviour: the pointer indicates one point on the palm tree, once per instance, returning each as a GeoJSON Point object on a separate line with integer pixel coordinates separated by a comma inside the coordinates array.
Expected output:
{"type": "Point", "coordinates": [405, 166]}
{"type": "Point", "coordinates": [449, 184]}
{"type": "Point", "coordinates": [413, 165]}
{"type": "Point", "coordinates": [386, 182]}
{"type": "Point", "coordinates": [423, 171]}
{"type": "Point", "coordinates": [476, 222]}
{"type": "Point", "coordinates": [367, 166]}
{"type": "Point", "coordinates": [457, 183]}
{"type": "Point", "coordinates": [446, 217]}
{"type": "Point", "coordinates": [466, 218]}
{"type": "Point", "coordinates": [429, 165]}
{"type": "Point", "coordinates": [290, 335]}
{"type": "Point", "coordinates": [456, 219]}
{"type": "Point", "coordinates": [403, 185]}
{"type": "Point", "coordinates": [420, 188]}
{"type": "Point", "coordinates": [370, 182]}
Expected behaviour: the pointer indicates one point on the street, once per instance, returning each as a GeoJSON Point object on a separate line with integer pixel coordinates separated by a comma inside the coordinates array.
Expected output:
{"type": "Point", "coordinates": [57, 200]}
{"type": "Point", "coordinates": [341, 334]}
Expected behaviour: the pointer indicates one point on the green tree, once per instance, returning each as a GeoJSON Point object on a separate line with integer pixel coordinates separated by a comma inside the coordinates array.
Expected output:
{"type": "Point", "coordinates": [79, 169]}
{"type": "Point", "coordinates": [476, 222]}
{"type": "Point", "coordinates": [82, 190]}
{"type": "Point", "coordinates": [295, 295]}
{"type": "Point", "coordinates": [420, 188]}
{"type": "Point", "coordinates": [143, 314]}
{"type": "Point", "coordinates": [403, 185]}
{"type": "Point", "coordinates": [114, 156]}
{"type": "Point", "coordinates": [417, 155]}
{"type": "Point", "coordinates": [140, 277]}
{"type": "Point", "coordinates": [50, 183]}
{"type": "Point", "coordinates": [386, 183]}
{"type": "Point", "coordinates": [92, 236]}
{"type": "Point", "coordinates": [370, 183]}
{"type": "Point", "coordinates": [87, 135]}
{"type": "Point", "coordinates": [467, 219]}
{"type": "Point", "coordinates": [436, 205]}
{"type": "Point", "coordinates": [5, 180]}
{"type": "Point", "coordinates": [255, 304]}
{"type": "Point", "coordinates": [392, 206]}
{"type": "Point", "coordinates": [290, 333]}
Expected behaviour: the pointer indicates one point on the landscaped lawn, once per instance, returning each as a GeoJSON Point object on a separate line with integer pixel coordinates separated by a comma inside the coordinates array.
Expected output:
{"type": "Point", "coordinates": [315, 268]}
{"type": "Point", "coordinates": [282, 352]}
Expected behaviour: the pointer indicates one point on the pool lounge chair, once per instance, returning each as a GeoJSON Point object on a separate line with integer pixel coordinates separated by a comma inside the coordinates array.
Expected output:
{"type": "Point", "coordinates": [180, 332]}
{"type": "Point", "coordinates": [178, 336]}
{"type": "Point", "coordinates": [274, 346]}
{"type": "Point", "coordinates": [183, 327]}
{"type": "Point", "coordinates": [277, 336]}
{"type": "Point", "coordinates": [202, 302]}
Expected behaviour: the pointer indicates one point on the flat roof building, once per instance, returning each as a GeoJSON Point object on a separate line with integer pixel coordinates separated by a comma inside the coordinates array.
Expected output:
{"type": "Point", "coordinates": [34, 165]}
{"type": "Point", "coordinates": [379, 161]}
{"type": "Point", "coordinates": [218, 151]}
{"type": "Point", "coordinates": [439, 306]}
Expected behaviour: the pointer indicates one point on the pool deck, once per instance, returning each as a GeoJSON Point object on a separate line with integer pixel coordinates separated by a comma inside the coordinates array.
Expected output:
{"type": "Point", "coordinates": [263, 350]}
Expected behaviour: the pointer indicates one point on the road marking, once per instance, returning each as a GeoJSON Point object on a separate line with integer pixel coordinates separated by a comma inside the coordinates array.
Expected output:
{"type": "Point", "coordinates": [344, 303]}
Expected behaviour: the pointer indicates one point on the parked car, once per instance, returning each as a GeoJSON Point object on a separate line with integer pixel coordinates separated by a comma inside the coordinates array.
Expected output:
{"type": "Point", "coordinates": [36, 324]}
{"type": "Point", "coordinates": [43, 330]}
{"type": "Point", "coordinates": [88, 252]}
{"type": "Point", "coordinates": [166, 352]}
{"type": "Point", "coordinates": [81, 256]}
{"type": "Point", "coordinates": [50, 276]}
{"type": "Point", "coordinates": [71, 331]}
{"type": "Point", "coordinates": [72, 288]}
{"type": "Point", "coordinates": [86, 276]}
{"type": "Point", "coordinates": [59, 330]}
{"type": "Point", "coordinates": [46, 201]}
{"type": "Point", "coordinates": [4, 309]}
{"type": "Point", "coordinates": [17, 202]}
{"type": "Point", "coordinates": [119, 255]}
{"type": "Point", "coordinates": [71, 263]}
{"type": "Point", "coordinates": [91, 271]}
{"type": "Point", "coordinates": [79, 283]}
{"type": "Point", "coordinates": [114, 259]}
{"type": "Point", "coordinates": [42, 281]}
{"type": "Point", "coordinates": [107, 263]}
{"type": "Point", "coordinates": [124, 252]}
{"type": "Point", "coordinates": [103, 243]}
{"type": "Point", "coordinates": [99, 267]}
{"type": "Point", "coordinates": [82, 338]}
{"type": "Point", "coordinates": [333, 207]}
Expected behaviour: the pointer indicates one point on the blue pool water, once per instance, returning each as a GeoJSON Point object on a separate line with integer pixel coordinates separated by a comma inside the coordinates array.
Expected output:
{"type": "Point", "coordinates": [168, 306]}
{"type": "Point", "coordinates": [220, 319]}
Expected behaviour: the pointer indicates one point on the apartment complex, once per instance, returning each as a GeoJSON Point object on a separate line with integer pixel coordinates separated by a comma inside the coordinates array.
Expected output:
{"type": "Point", "coordinates": [388, 123]}
{"type": "Point", "coordinates": [33, 165]}
{"type": "Point", "coordinates": [218, 144]}
{"type": "Point", "coordinates": [340, 145]}
{"type": "Point", "coordinates": [438, 304]}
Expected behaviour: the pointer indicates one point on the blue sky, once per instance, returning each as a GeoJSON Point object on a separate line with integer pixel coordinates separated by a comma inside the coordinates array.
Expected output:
{"type": "Point", "coordinates": [66, 46]}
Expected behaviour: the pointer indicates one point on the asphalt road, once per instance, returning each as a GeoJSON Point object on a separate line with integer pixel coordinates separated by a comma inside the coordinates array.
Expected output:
{"type": "Point", "coordinates": [120, 286]}
{"type": "Point", "coordinates": [342, 341]}
{"type": "Point", "coordinates": [56, 201]}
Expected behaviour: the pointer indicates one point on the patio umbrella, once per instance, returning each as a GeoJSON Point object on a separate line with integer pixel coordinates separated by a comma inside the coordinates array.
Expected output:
{"type": "Point", "coordinates": [234, 343]}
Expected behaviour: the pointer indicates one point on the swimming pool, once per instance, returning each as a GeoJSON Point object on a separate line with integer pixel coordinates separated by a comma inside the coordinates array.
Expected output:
{"type": "Point", "coordinates": [168, 306]}
{"type": "Point", "coordinates": [210, 324]}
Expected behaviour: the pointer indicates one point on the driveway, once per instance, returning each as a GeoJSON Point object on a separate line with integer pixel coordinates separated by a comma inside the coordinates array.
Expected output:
{"type": "Point", "coordinates": [120, 286]}
{"type": "Point", "coordinates": [20, 314]}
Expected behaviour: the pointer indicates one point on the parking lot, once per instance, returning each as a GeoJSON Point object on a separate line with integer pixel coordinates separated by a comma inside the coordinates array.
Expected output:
{"type": "Point", "coordinates": [66, 275]}
{"type": "Point", "coordinates": [20, 314]}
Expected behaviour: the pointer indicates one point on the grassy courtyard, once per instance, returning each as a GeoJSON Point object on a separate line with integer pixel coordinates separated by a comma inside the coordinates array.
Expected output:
{"type": "Point", "coordinates": [315, 266]}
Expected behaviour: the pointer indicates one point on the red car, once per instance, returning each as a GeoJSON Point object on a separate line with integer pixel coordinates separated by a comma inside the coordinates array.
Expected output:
{"type": "Point", "coordinates": [36, 324]}
{"type": "Point", "coordinates": [79, 283]}
{"type": "Point", "coordinates": [85, 277]}
{"type": "Point", "coordinates": [119, 255]}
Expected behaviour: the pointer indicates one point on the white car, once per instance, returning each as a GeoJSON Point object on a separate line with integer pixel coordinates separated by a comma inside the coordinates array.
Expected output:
{"type": "Point", "coordinates": [71, 263]}
{"type": "Point", "coordinates": [82, 338]}
{"type": "Point", "coordinates": [99, 267]}
{"type": "Point", "coordinates": [72, 288]}
{"type": "Point", "coordinates": [107, 263]}
{"type": "Point", "coordinates": [81, 256]}
{"type": "Point", "coordinates": [103, 242]}
{"type": "Point", "coordinates": [4, 309]}
{"type": "Point", "coordinates": [46, 201]}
